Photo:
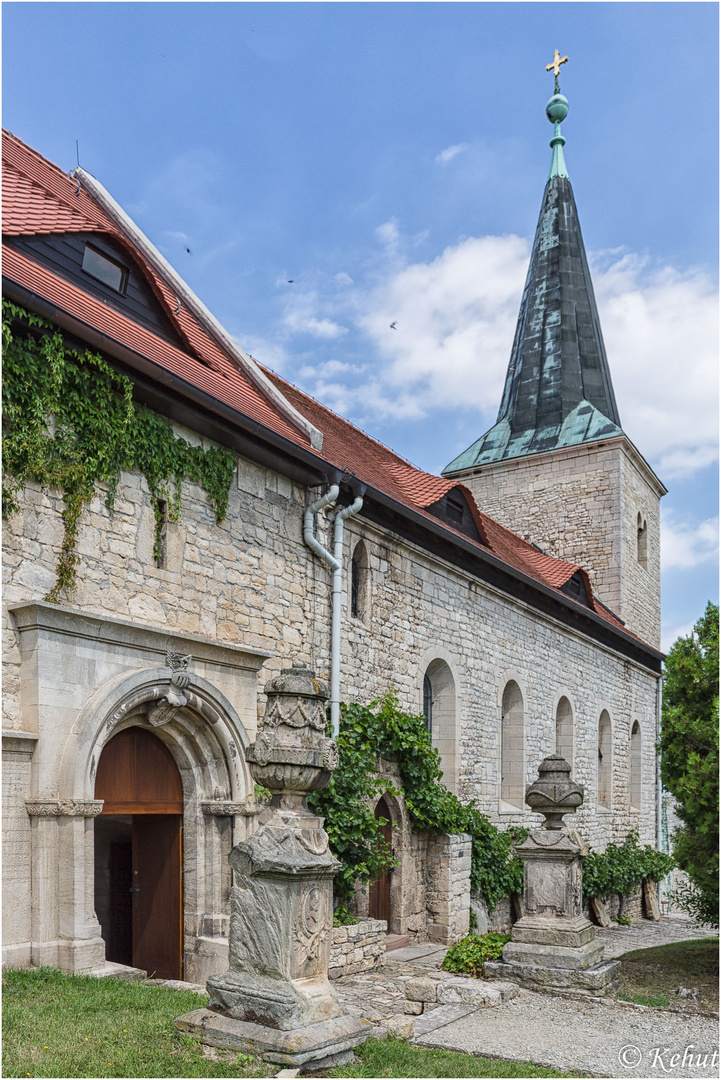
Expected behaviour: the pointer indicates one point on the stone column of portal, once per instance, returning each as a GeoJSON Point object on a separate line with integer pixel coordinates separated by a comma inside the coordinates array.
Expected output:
{"type": "Point", "coordinates": [553, 945]}
{"type": "Point", "coordinates": [275, 999]}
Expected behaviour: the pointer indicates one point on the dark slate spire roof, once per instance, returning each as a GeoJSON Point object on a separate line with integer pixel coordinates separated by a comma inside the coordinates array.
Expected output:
{"type": "Point", "coordinates": [558, 388]}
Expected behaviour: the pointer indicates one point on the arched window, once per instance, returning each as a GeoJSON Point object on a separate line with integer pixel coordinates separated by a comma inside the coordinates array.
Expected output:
{"type": "Point", "coordinates": [641, 540]}
{"type": "Point", "coordinates": [359, 582]}
{"type": "Point", "coordinates": [512, 746]}
{"type": "Point", "coordinates": [605, 762]}
{"type": "Point", "coordinates": [634, 787]}
{"type": "Point", "coordinates": [439, 709]}
{"type": "Point", "coordinates": [564, 730]}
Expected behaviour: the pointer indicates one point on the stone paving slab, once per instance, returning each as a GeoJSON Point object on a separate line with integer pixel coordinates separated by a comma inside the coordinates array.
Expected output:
{"type": "Point", "coordinates": [438, 1018]}
{"type": "Point", "coordinates": [597, 1039]}
{"type": "Point", "coordinates": [645, 935]}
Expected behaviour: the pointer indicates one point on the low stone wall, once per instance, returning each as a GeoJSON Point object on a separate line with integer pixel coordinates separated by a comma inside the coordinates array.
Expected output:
{"type": "Point", "coordinates": [357, 948]}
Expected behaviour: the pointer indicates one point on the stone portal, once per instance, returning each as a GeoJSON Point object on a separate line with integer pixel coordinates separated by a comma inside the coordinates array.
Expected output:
{"type": "Point", "coordinates": [275, 1000]}
{"type": "Point", "coordinates": [553, 945]}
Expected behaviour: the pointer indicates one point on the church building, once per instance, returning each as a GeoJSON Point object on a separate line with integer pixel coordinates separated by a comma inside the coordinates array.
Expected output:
{"type": "Point", "coordinates": [514, 600]}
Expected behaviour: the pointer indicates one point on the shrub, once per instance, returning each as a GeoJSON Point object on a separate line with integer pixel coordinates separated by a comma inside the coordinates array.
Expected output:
{"type": "Point", "coordinates": [689, 748]}
{"type": "Point", "coordinates": [381, 728]}
{"type": "Point", "coordinates": [468, 955]}
{"type": "Point", "coordinates": [622, 868]}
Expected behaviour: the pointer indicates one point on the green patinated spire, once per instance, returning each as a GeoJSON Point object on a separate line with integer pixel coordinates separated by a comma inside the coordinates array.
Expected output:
{"type": "Point", "coordinates": [557, 111]}
{"type": "Point", "coordinates": [558, 390]}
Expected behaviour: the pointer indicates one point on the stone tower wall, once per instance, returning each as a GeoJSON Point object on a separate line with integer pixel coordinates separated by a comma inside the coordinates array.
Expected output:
{"type": "Point", "coordinates": [581, 504]}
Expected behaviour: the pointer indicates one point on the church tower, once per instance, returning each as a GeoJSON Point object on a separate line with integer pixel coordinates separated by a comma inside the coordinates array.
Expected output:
{"type": "Point", "coordinates": [557, 467]}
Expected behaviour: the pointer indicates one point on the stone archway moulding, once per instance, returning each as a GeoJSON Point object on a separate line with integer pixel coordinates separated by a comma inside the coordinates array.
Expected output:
{"type": "Point", "coordinates": [217, 732]}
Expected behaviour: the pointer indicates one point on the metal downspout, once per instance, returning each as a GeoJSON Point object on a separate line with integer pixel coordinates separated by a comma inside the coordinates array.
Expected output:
{"type": "Point", "coordinates": [659, 789]}
{"type": "Point", "coordinates": [338, 522]}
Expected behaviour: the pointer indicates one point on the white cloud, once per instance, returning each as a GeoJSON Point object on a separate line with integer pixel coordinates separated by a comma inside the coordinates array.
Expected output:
{"type": "Point", "coordinates": [450, 152]}
{"type": "Point", "coordinates": [687, 545]}
{"type": "Point", "coordinates": [672, 633]}
{"type": "Point", "coordinates": [302, 317]}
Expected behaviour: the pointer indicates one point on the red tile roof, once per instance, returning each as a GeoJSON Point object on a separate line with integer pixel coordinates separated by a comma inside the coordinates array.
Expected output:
{"type": "Point", "coordinates": [347, 447]}
{"type": "Point", "coordinates": [38, 198]}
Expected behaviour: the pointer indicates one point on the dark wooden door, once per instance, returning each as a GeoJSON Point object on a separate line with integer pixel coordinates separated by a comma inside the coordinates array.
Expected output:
{"type": "Point", "coordinates": [137, 776]}
{"type": "Point", "coordinates": [156, 891]}
{"type": "Point", "coordinates": [379, 890]}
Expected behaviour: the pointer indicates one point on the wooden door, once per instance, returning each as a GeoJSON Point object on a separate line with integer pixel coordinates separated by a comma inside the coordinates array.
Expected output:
{"type": "Point", "coordinates": [379, 890]}
{"type": "Point", "coordinates": [156, 892]}
{"type": "Point", "coordinates": [137, 776]}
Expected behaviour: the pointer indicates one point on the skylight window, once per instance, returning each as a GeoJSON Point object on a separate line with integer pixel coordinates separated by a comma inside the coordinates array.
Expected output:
{"type": "Point", "coordinates": [104, 269]}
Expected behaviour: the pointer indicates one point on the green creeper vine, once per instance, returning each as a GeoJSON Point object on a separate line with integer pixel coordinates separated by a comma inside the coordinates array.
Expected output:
{"type": "Point", "coordinates": [381, 728]}
{"type": "Point", "coordinates": [70, 423]}
{"type": "Point", "coordinates": [622, 868]}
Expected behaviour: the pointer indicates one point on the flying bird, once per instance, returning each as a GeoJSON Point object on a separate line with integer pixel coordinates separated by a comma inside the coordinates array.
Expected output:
{"type": "Point", "coordinates": [393, 326]}
{"type": "Point", "coordinates": [290, 281]}
{"type": "Point", "coordinates": [189, 251]}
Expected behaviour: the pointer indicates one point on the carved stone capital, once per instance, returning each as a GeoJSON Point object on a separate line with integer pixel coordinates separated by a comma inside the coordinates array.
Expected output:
{"type": "Point", "coordinates": [64, 807]}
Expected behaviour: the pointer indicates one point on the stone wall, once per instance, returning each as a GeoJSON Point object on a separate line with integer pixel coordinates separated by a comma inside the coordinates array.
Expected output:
{"type": "Point", "coordinates": [250, 582]}
{"type": "Point", "coordinates": [357, 948]}
{"type": "Point", "coordinates": [448, 886]}
{"type": "Point", "coordinates": [581, 504]}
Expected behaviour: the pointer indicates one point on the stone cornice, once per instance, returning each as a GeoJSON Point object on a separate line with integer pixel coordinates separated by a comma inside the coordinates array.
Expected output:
{"type": "Point", "coordinates": [227, 808]}
{"type": "Point", "coordinates": [109, 630]}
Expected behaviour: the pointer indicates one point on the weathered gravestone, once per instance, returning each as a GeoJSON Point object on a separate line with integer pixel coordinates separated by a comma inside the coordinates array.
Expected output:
{"type": "Point", "coordinates": [275, 999]}
{"type": "Point", "coordinates": [553, 946]}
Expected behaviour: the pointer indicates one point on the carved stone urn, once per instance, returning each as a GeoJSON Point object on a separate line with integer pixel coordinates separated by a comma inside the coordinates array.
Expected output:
{"type": "Point", "coordinates": [275, 999]}
{"type": "Point", "coordinates": [553, 945]}
{"type": "Point", "coordinates": [554, 794]}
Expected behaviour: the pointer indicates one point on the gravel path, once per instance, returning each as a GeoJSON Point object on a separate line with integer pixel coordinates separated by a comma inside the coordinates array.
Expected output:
{"type": "Point", "coordinates": [561, 1032]}
{"type": "Point", "coordinates": [595, 1038]}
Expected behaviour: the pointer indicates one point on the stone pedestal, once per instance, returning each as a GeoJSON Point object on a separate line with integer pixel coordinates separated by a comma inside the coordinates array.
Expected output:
{"type": "Point", "coordinates": [553, 946]}
{"type": "Point", "coordinates": [275, 999]}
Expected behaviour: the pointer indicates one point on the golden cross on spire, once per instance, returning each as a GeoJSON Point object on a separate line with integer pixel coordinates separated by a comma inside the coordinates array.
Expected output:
{"type": "Point", "coordinates": [557, 61]}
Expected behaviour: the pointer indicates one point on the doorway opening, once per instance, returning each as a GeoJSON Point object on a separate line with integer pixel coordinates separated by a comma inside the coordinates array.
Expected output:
{"type": "Point", "coordinates": [379, 890]}
{"type": "Point", "coordinates": [138, 854]}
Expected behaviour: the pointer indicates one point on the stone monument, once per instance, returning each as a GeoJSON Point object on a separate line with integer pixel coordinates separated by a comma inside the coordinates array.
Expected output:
{"type": "Point", "coordinates": [553, 945]}
{"type": "Point", "coordinates": [275, 999]}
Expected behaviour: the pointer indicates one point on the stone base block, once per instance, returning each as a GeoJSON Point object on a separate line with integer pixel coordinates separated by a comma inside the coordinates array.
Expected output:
{"type": "Point", "coordinates": [588, 982]}
{"type": "Point", "coordinates": [568, 932]}
{"type": "Point", "coordinates": [327, 1043]}
{"type": "Point", "coordinates": [554, 956]}
{"type": "Point", "coordinates": [286, 1004]}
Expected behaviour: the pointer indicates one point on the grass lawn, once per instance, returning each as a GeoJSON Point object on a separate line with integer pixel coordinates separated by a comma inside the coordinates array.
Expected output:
{"type": "Point", "coordinates": [72, 1026]}
{"type": "Point", "coordinates": [652, 976]}
{"type": "Point", "coordinates": [78, 1026]}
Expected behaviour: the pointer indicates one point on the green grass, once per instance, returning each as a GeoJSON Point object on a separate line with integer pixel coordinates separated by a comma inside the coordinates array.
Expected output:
{"type": "Point", "coordinates": [73, 1026]}
{"type": "Point", "coordinates": [700, 956]}
{"type": "Point", "coordinates": [656, 1001]}
{"type": "Point", "coordinates": [394, 1057]}
{"type": "Point", "coordinates": [652, 976]}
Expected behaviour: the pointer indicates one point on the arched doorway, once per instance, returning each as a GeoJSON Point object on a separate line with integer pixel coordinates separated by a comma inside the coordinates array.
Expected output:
{"type": "Point", "coordinates": [138, 854]}
{"type": "Point", "coordinates": [379, 890]}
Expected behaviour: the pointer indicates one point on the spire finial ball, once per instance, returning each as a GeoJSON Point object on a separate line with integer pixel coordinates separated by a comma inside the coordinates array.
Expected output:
{"type": "Point", "coordinates": [557, 109]}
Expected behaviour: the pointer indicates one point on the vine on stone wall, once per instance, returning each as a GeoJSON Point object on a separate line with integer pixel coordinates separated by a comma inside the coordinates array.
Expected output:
{"type": "Point", "coordinates": [622, 868]}
{"type": "Point", "coordinates": [382, 728]}
{"type": "Point", "coordinates": [70, 422]}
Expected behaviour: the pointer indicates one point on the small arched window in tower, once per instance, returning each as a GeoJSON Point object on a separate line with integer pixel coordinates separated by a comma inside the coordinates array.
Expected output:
{"type": "Point", "coordinates": [512, 746]}
{"type": "Point", "coordinates": [439, 709]}
{"type": "Point", "coordinates": [564, 730]}
{"type": "Point", "coordinates": [605, 762]}
{"type": "Point", "coordinates": [634, 786]}
{"type": "Point", "coordinates": [359, 582]}
{"type": "Point", "coordinates": [642, 540]}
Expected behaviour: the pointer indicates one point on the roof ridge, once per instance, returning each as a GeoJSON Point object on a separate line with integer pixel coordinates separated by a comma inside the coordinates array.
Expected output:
{"type": "Point", "coordinates": [36, 153]}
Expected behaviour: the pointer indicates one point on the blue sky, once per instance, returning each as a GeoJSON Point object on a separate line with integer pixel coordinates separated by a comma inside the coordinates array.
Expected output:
{"type": "Point", "coordinates": [390, 159]}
